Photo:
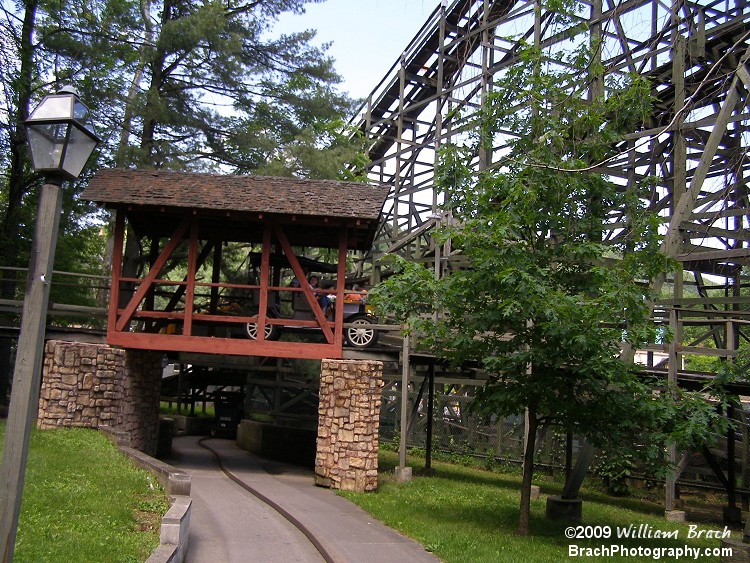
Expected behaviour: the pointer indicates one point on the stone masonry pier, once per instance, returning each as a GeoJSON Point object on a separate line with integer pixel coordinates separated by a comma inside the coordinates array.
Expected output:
{"type": "Point", "coordinates": [348, 415]}
{"type": "Point", "coordinates": [95, 385]}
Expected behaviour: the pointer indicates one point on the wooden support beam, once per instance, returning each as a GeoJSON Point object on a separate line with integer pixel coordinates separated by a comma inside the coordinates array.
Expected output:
{"type": "Point", "coordinates": [415, 407]}
{"type": "Point", "coordinates": [180, 291]}
{"type": "Point", "coordinates": [114, 287]}
{"type": "Point", "coordinates": [715, 466]}
{"type": "Point", "coordinates": [404, 417]}
{"type": "Point", "coordinates": [187, 327]}
{"type": "Point", "coordinates": [153, 272]}
{"type": "Point", "coordinates": [299, 272]}
{"type": "Point", "coordinates": [338, 321]}
{"type": "Point", "coordinates": [430, 411]}
{"type": "Point", "coordinates": [684, 206]}
{"type": "Point", "coordinates": [224, 346]}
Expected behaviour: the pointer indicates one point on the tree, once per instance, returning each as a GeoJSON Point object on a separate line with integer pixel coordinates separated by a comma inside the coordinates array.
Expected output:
{"type": "Point", "coordinates": [46, 44]}
{"type": "Point", "coordinates": [214, 89]}
{"type": "Point", "coordinates": [174, 84]}
{"type": "Point", "coordinates": [544, 304]}
{"type": "Point", "coordinates": [177, 84]}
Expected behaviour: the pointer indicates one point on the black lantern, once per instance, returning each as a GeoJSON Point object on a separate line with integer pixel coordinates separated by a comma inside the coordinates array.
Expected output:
{"type": "Point", "coordinates": [61, 139]}
{"type": "Point", "coordinates": [61, 135]}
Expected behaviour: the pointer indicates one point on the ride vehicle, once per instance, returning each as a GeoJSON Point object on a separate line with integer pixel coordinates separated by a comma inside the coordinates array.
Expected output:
{"type": "Point", "coordinates": [358, 318]}
{"type": "Point", "coordinates": [287, 301]}
{"type": "Point", "coordinates": [228, 413]}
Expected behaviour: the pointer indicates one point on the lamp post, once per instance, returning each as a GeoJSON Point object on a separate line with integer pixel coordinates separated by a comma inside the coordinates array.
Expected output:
{"type": "Point", "coordinates": [61, 138]}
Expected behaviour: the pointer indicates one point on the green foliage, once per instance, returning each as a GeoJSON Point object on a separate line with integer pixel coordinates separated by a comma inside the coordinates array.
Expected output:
{"type": "Point", "coordinates": [545, 305]}
{"type": "Point", "coordinates": [171, 410]}
{"type": "Point", "coordinates": [177, 85]}
{"type": "Point", "coordinates": [183, 85]}
{"type": "Point", "coordinates": [537, 291]}
{"type": "Point", "coordinates": [708, 364]}
{"type": "Point", "coordinates": [319, 154]}
{"type": "Point", "coordinates": [84, 501]}
{"type": "Point", "coordinates": [409, 295]}
{"type": "Point", "coordinates": [614, 469]}
{"type": "Point", "coordinates": [281, 91]}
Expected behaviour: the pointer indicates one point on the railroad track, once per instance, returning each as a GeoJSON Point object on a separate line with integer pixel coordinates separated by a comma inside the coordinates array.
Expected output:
{"type": "Point", "coordinates": [324, 553]}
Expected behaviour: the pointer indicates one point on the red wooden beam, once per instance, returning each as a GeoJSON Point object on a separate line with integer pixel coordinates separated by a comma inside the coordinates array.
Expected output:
{"type": "Point", "coordinates": [224, 346]}
{"type": "Point", "coordinates": [299, 272]}
{"type": "Point", "coordinates": [140, 293]}
{"type": "Point", "coordinates": [187, 327]}
{"type": "Point", "coordinates": [114, 286]}
{"type": "Point", "coordinates": [120, 317]}
{"type": "Point", "coordinates": [340, 279]}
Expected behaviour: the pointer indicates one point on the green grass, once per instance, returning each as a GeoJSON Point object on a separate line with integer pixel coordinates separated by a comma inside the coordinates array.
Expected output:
{"type": "Point", "coordinates": [83, 501]}
{"type": "Point", "coordinates": [171, 410]}
{"type": "Point", "coordinates": [462, 514]}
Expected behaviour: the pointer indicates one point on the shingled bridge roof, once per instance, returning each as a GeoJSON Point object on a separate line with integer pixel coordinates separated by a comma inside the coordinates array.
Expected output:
{"type": "Point", "coordinates": [151, 197]}
{"type": "Point", "coordinates": [264, 194]}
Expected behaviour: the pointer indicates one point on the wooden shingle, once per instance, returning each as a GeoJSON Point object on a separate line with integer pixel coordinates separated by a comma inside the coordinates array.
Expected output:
{"type": "Point", "coordinates": [260, 194]}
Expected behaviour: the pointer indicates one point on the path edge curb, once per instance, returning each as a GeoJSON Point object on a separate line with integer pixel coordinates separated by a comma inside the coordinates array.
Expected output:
{"type": "Point", "coordinates": [175, 524]}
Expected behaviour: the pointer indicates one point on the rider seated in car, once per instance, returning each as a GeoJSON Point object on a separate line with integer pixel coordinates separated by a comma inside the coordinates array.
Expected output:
{"type": "Point", "coordinates": [323, 299]}
{"type": "Point", "coordinates": [357, 294]}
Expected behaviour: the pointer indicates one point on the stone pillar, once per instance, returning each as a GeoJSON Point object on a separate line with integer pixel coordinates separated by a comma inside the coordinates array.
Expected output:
{"type": "Point", "coordinates": [141, 393]}
{"type": "Point", "coordinates": [81, 385]}
{"type": "Point", "coordinates": [348, 423]}
{"type": "Point", "coordinates": [93, 385]}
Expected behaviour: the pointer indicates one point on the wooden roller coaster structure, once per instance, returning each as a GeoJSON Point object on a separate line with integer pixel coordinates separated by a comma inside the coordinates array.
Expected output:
{"type": "Point", "coordinates": [694, 55]}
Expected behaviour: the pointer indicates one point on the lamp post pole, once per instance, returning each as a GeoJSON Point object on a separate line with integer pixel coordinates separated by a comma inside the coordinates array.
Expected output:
{"type": "Point", "coordinates": [61, 138]}
{"type": "Point", "coordinates": [27, 374]}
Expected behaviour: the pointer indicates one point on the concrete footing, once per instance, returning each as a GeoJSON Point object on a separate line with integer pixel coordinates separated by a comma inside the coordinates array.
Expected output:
{"type": "Point", "coordinates": [740, 552]}
{"type": "Point", "coordinates": [674, 515]}
{"type": "Point", "coordinates": [403, 474]}
{"type": "Point", "coordinates": [732, 515]}
{"type": "Point", "coordinates": [559, 508]}
{"type": "Point", "coordinates": [536, 492]}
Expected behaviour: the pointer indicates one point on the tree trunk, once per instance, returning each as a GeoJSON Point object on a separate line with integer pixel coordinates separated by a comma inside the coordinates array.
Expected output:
{"type": "Point", "coordinates": [121, 156]}
{"type": "Point", "coordinates": [528, 473]}
{"type": "Point", "coordinates": [154, 93]}
{"type": "Point", "coordinates": [18, 183]}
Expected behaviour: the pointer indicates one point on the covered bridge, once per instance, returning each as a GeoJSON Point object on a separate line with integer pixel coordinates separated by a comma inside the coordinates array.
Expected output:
{"type": "Point", "coordinates": [186, 219]}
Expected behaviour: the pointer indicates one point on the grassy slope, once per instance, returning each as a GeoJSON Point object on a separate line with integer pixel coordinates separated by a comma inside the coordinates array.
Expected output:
{"type": "Point", "coordinates": [463, 514]}
{"type": "Point", "coordinates": [83, 501]}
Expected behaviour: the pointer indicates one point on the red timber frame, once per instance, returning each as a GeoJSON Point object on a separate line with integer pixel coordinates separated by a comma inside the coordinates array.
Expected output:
{"type": "Point", "coordinates": [126, 320]}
